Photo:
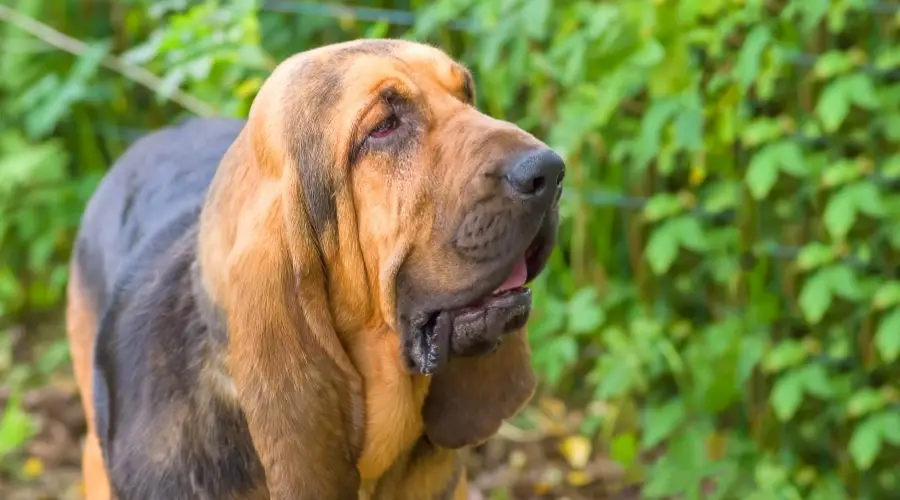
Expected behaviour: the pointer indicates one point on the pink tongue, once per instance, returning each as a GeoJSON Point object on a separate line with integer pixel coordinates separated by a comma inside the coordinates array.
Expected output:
{"type": "Point", "coordinates": [516, 279]}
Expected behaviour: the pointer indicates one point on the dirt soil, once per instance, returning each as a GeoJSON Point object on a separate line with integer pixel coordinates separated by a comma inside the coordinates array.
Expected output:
{"type": "Point", "coordinates": [513, 465]}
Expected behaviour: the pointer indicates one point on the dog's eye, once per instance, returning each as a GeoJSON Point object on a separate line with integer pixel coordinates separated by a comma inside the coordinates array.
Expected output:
{"type": "Point", "coordinates": [385, 128]}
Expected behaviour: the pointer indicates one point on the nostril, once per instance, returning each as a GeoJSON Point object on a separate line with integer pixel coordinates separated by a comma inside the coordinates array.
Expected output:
{"type": "Point", "coordinates": [537, 185]}
{"type": "Point", "coordinates": [531, 186]}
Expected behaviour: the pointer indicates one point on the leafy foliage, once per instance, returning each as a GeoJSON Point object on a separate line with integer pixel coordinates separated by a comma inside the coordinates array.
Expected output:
{"type": "Point", "coordinates": [731, 238]}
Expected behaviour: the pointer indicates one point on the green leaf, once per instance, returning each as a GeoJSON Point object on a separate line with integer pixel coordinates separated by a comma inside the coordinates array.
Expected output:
{"type": "Point", "coordinates": [840, 213]}
{"type": "Point", "coordinates": [661, 421]}
{"type": "Point", "coordinates": [887, 338]}
{"type": "Point", "coordinates": [810, 12]}
{"type": "Point", "coordinates": [750, 57]}
{"type": "Point", "coordinates": [585, 314]}
{"type": "Point", "coordinates": [689, 123]}
{"type": "Point", "coordinates": [787, 394]}
{"type": "Point", "coordinates": [22, 163]}
{"type": "Point", "coordinates": [690, 233]}
{"type": "Point", "coordinates": [786, 354]}
{"type": "Point", "coordinates": [865, 444]}
{"type": "Point", "coordinates": [657, 117]}
{"type": "Point", "coordinates": [833, 63]}
{"type": "Point", "coordinates": [841, 172]}
{"type": "Point", "coordinates": [751, 352]}
{"type": "Point", "coordinates": [816, 381]}
{"type": "Point", "coordinates": [843, 206]}
{"type": "Point", "coordinates": [865, 401]}
{"type": "Point", "coordinates": [887, 295]}
{"type": "Point", "coordinates": [377, 30]}
{"type": "Point", "coordinates": [624, 449]}
{"type": "Point", "coordinates": [833, 106]}
{"type": "Point", "coordinates": [16, 426]}
{"type": "Point", "coordinates": [535, 17]}
{"type": "Point", "coordinates": [790, 158]}
{"type": "Point", "coordinates": [662, 248]}
{"type": "Point", "coordinates": [661, 206]}
{"type": "Point", "coordinates": [890, 426]}
{"type": "Point", "coordinates": [762, 130]}
{"type": "Point", "coordinates": [815, 296]}
{"type": "Point", "coordinates": [762, 174]}
{"type": "Point", "coordinates": [844, 283]}
{"type": "Point", "coordinates": [835, 101]}
{"type": "Point", "coordinates": [868, 198]}
{"type": "Point", "coordinates": [815, 255]}
{"type": "Point", "coordinates": [58, 105]}
{"type": "Point", "coordinates": [859, 89]}
{"type": "Point", "coordinates": [782, 156]}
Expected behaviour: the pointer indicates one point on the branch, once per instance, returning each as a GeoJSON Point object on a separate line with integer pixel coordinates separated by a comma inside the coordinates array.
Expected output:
{"type": "Point", "coordinates": [77, 47]}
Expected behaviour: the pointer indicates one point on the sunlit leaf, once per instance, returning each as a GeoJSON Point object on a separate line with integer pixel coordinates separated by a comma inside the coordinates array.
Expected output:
{"type": "Point", "coordinates": [624, 449]}
{"type": "Point", "coordinates": [840, 213]}
{"type": "Point", "coordinates": [689, 123]}
{"type": "Point", "coordinates": [16, 426]}
{"type": "Point", "coordinates": [585, 313]}
{"type": "Point", "coordinates": [833, 63]}
{"type": "Point", "coordinates": [787, 394]}
{"type": "Point", "coordinates": [576, 450]}
{"type": "Point", "coordinates": [662, 248]}
{"type": "Point", "coordinates": [815, 297]}
{"type": "Point", "coordinates": [661, 421]}
{"type": "Point", "coordinates": [749, 59]}
{"type": "Point", "coordinates": [887, 337]}
{"type": "Point", "coordinates": [865, 444]}
{"type": "Point", "coordinates": [815, 255]}
{"type": "Point", "coordinates": [887, 295]}
{"type": "Point", "coordinates": [865, 401]}
{"type": "Point", "coordinates": [786, 354]}
{"type": "Point", "coordinates": [833, 106]}
{"type": "Point", "coordinates": [33, 467]}
{"type": "Point", "coordinates": [661, 206]}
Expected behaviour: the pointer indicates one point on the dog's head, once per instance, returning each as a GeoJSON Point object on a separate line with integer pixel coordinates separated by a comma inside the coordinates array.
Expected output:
{"type": "Point", "coordinates": [409, 207]}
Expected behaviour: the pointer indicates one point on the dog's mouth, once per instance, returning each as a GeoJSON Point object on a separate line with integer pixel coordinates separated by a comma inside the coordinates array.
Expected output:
{"type": "Point", "coordinates": [478, 327]}
{"type": "Point", "coordinates": [528, 267]}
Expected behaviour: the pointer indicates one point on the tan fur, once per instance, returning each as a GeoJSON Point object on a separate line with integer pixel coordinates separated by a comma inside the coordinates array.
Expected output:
{"type": "Point", "coordinates": [81, 329]}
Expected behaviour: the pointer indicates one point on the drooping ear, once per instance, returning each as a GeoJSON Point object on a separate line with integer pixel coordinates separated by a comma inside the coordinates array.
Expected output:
{"type": "Point", "coordinates": [469, 399]}
{"type": "Point", "coordinates": [262, 266]}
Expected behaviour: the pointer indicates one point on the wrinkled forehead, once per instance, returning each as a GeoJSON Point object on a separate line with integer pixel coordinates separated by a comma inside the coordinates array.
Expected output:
{"type": "Point", "coordinates": [341, 75]}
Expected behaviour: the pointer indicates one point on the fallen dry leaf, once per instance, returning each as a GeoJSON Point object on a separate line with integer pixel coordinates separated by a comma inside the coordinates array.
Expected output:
{"type": "Point", "coordinates": [33, 467]}
{"type": "Point", "coordinates": [578, 478]}
{"type": "Point", "coordinates": [577, 450]}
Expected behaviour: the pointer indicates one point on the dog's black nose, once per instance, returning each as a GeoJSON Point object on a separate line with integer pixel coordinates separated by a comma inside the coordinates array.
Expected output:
{"type": "Point", "coordinates": [536, 175]}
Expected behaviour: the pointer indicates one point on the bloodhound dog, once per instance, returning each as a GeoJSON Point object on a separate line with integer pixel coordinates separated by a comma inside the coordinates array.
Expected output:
{"type": "Point", "coordinates": [310, 304]}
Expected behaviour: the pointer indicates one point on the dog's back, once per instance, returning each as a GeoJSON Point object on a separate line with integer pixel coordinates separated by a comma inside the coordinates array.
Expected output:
{"type": "Point", "coordinates": [161, 177]}
{"type": "Point", "coordinates": [131, 263]}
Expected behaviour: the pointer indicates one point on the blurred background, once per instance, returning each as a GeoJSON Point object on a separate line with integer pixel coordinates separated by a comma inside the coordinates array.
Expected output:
{"type": "Point", "coordinates": [722, 318]}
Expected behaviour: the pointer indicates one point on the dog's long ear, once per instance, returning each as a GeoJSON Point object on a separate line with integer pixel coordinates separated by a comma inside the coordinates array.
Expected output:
{"type": "Point", "coordinates": [469, 399]}
{"type": "Point", "coordinates": [262, 265]}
